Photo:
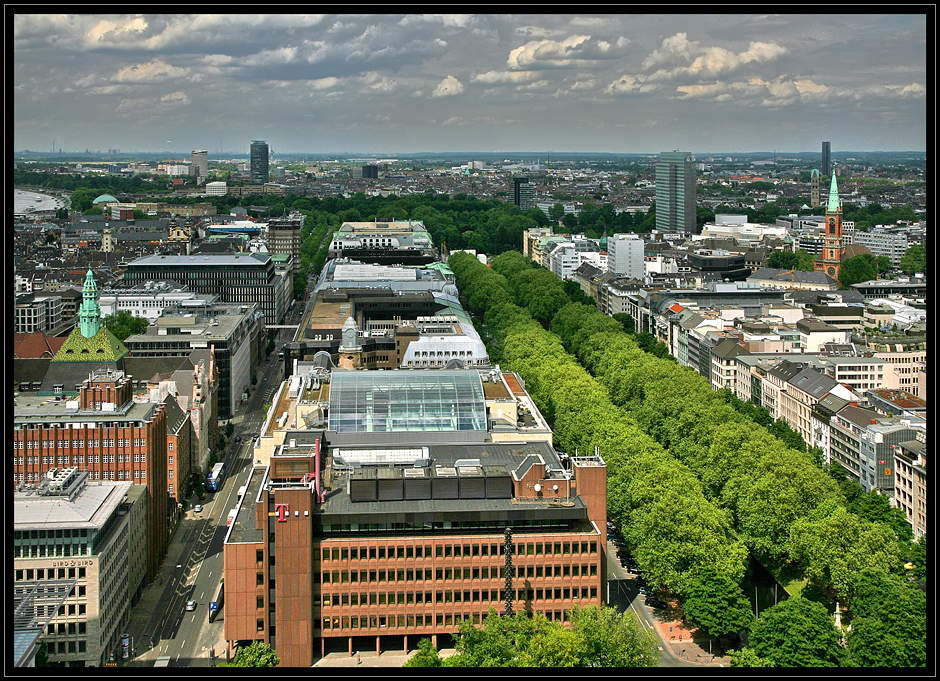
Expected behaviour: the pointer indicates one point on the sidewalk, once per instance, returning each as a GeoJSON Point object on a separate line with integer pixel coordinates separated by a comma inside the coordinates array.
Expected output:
{"type": "Point", "coordinates": [393, 658]}
{"type": "Point", "coordinates": [689, 644]}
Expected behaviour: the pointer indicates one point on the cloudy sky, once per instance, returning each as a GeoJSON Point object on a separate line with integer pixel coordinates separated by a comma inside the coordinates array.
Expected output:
{"type": "Point", "coordinates": [413, 83]}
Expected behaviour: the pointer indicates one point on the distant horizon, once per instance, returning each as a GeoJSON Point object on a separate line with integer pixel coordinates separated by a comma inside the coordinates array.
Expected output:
{"type": "Point", "coordinates": [408, 154]}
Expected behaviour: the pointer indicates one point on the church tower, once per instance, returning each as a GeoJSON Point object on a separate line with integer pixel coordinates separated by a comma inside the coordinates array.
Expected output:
{"type": "Point", "coordinates": [831, 255]}
{"type": "Point", "coordinates": [814, 189]}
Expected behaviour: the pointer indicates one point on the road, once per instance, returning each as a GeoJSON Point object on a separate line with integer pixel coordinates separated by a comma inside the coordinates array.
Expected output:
{"type": "Point", "coordinates": [194, 569]}
{"type": "Point", "coordinates": [623, 595]}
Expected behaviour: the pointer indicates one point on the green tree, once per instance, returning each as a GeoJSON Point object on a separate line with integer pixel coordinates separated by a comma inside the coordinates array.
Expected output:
{"type": "Point", "coordinates": [229, 429]}
{"type": "Point", "coordinates": [834, 546]}
{"type": "Point", "coordinates": [746, 657]}
{"type": "Point", "coordinates": [427, 655]}
{"type": "Point", "coordinates": [716, 604]}
{"type": "Point", "coordinates": [918, 556]}
{"type": "Point", "coordinates": [856, 270]}
{"type": "Point", "coordinates": [613, 639]}
{"type": "Point", "coordinates": [914, 259]}
{"type": "Point", "coordinates": [258, 654]}
{"type": "Point", "coordinates": [554, 647]}
{"type": "Point", "coordinates": [124, 324]}
{"type": "Point", "coordinates": [797, 632]}
{"type": "Point", "coordinates": [556, 213]}
{"type": "Point", "coordinates": [785, 260]}
{"type": "Point", "coordinates": [889, 622]}
{"type": "Point", "coordinates": [627, 321]}
{"type": "Point", "coordinates": [883, 264]}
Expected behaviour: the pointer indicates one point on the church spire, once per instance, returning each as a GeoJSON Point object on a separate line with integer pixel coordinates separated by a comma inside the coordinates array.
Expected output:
{"type": "Point", "coordinates": [835, 206]}
{"type": "Point", "coordinates": [89, 315]}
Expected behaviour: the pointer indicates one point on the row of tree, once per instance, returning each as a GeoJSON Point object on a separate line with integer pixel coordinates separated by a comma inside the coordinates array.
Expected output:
{"type": "Point", "coordinates": [739, 479]}
{"type": "Point", "coordinates": [596, 638]}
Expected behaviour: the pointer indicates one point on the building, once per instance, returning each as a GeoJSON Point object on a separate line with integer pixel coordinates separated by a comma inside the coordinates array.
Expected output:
{"type": "Point", "coordinates": [149, 298]}
{"type": "Point", "coordinates": [234, 333]}
{"type": "Point", "coordinates": [910, 484]}
{"type": "Point", "coordinates": [244, 278]}
{"type": "Point", "coordinates": [216, 188]}
{"type": "Point", "coordinates": [200, 165]}
{"type": "Point", "coordinates": [793, 280]}
{"type": "Point", "coordinates": [826, 161]}
{"type": "Point", "coordinates": [384, 242]}
{"type": "Point", "coordinates": [880, 242]}
{"type": "Point", "coordinates": [522, 193]}
{"type": "Point", "coordinates": [676, 193]}
{"type": "Point", "coordinates": [284, 237]}
{"type": "Point", "coordinates": [832, 253]}
{"type": "Point", "coordinates": [93, 534]}
{"type": "Point", "coordinates": [814, 189]}
{"type": "Point", "coordinates": [391, 524]}
{"type": "Point", "coordinates": [34, 313]}
{"type": "Point", "coordinates": [259, 162]}
{"type": "Point", "coordinates": [104, 433]}
{"type": "Point", "coordinates": [625, 256]}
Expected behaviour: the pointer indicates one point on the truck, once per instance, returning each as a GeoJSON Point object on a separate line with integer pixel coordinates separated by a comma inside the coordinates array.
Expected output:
{"type": "Point", "coordinates": [231, 517]}
{"type": "Point", "coordinates": [162, 661]}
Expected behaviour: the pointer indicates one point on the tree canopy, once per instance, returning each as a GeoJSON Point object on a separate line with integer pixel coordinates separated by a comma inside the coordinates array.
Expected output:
{"type": "Point", "coordinates": [856, 270]}
{"type": "Point", "coordinates": [797, 632]}
{"type": "Point", "coordinates": [124, 324]}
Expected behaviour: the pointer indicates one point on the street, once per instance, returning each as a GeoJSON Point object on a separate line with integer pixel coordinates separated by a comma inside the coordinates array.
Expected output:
{"type": "Point", "coordinates": [193, 569]}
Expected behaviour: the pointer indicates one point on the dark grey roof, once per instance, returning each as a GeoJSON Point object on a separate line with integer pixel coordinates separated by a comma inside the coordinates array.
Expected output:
{"type": "Point", "coordinates": [70, 374]}
{"type": "Point", "coordinates": [145, 368]}
{"type": "Point", "coordinates": [29, 370]}
{"type": "Point", "coordinates": [813, 382]}
{"type": "Point", "coordinates": [859, 416]}
{"type": "Point", "coordinates": [728, 348]}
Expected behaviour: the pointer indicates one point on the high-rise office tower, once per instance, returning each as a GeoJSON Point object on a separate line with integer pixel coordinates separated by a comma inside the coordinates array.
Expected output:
{"type": "Point", "coordinates": [675, 193]}
{"type": "Point", "coordinates": [259, 161]}
{"type": "Point", "coordinates": [200, 165]}
{"type": "Point", "coordinates": [522, 194]}
{"type": "Point", "coordinates": [826, 163]}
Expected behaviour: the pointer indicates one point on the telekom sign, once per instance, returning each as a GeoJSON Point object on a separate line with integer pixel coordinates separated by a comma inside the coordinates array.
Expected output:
{"type": "Point", "coordinates": [282, 511]}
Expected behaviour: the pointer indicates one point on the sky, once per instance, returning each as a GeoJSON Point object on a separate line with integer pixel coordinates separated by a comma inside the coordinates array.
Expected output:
{"type": "Point", "coordinates": [411, 83]}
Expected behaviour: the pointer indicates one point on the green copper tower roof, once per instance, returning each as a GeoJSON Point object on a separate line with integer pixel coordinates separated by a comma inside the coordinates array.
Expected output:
{"type": "Point", "coordinates": [834, 204]}
{"type": "Point", "coordinates": [89, 315]}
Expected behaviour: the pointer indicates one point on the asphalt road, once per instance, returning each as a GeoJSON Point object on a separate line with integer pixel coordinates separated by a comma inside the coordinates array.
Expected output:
{"type": "Point", "coordinates": [623, 595]}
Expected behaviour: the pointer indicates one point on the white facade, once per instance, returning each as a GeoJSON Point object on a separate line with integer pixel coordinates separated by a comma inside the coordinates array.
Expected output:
{"type": "Point", "coordinates": [216, 188]}
{"type": "Point", "coordinates": [147, 301]}
{"type": "Point", "coordinates": [625, 256]}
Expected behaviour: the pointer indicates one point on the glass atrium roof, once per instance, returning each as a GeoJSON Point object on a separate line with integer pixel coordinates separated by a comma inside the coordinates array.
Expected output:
{"type": "Point", "coordinates": [408, 400]}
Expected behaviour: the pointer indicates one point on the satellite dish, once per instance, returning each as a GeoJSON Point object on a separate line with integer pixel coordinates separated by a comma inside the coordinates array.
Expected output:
{"type": "Point", "coordinates": [538, 488]}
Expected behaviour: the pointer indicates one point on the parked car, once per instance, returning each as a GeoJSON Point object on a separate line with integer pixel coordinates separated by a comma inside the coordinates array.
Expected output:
{"type": "Point", "coordinates": [653, 602]}
{"type": "Point", "coordinates": [190, 605]}
{"type": "Point", "coordinates": [646, 591]}
{"type": "Point", "coordinates": [633, 570]}
{"type": "Point", "coordinates": [197, 508]}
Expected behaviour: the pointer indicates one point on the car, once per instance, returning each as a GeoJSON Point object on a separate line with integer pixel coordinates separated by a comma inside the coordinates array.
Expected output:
{"type": "Point", "coordinates": [655, 603]}
{"type": "Point", "coordinates": [190, 605]}
{"type": "Point", "coordinates": [197, 508]}
{"type": "Point", "coordinates": [633, 570]}
{"type": "Point", "coordinates": [645, 590]}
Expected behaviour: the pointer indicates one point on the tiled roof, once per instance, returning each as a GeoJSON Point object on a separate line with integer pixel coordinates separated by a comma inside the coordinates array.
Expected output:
{"type": "Point", "coordinates": [102, 347]}
{"type": "Point", "coordinates": [35, 345]}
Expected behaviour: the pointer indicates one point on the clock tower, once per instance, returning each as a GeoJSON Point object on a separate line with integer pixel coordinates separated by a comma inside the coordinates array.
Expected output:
{"type": "Point", "coordinates": [831, 256]}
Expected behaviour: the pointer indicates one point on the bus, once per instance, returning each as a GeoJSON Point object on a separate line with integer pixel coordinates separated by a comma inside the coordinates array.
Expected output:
{"type": "Point", "coordinates": [216, 477]}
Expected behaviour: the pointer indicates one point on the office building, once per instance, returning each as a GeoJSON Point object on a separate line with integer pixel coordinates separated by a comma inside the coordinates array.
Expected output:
{"type": "Point", "coordinates": [284, 237]}
{"type": "Point", "coordinates": [625, 256]}
{"type": "Point", "coordinates": [216, 188]}
{"type": "Point", "coordinates": [34, 313]}
{"type": "Point", "coordinates": [92, 535]}
{"type": "Point", "coordinates": [259, 162]}
{"type": "Point", "coordinates": [105, 433]}
{"type": "Point", "coordinates": [522, 193]}
{"type": "Point", "coordinates": [233, 332]}
{"type": "Point", "coordinates": [389, 525]}
{"type": "Point", "coordinates": [384, 242]}
{"type": "Point", "coordinates": [200, 165]}
{"type": "Point", "coordinates": [826, 160]}
{"type": "Point", "coordinates": [910, 484]}
{"type": "Point", "coordinates": [243, 278]}
{"type": "Point", "coordinates": [676, 193]}
{"type": "Point", "coordinates": [881, 242]}
{"type": "Point", "coordinates": [149, 298]}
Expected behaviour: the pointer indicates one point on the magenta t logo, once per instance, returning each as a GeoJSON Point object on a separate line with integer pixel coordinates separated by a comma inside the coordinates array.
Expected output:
{"type": "Point", "coordinates": [282, 511]}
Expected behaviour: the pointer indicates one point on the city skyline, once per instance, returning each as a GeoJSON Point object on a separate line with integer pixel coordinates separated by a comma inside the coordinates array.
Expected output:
{"type": "Point", "coordinates": [487, 83]}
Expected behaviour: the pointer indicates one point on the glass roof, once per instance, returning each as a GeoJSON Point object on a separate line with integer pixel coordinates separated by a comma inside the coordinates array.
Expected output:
{"type": "Point", "coordinates": [408, 400]}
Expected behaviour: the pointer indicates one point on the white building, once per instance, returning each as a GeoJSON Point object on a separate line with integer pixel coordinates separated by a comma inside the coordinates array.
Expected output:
{"type": "Point", "coordinates": [149, 299]}
{"type": "Point", "coordinates": [216, 188]}
{"type": "Point", "coordinates": [625, 256]}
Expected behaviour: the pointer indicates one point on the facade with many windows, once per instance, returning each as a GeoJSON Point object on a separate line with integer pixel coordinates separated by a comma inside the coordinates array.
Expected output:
{"type": "Point", "coordinates": [368, 533]}
{"type": "Point", "coordinates": [92, 533]}
{"type": "Point", "coordinates": [104, 433]}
